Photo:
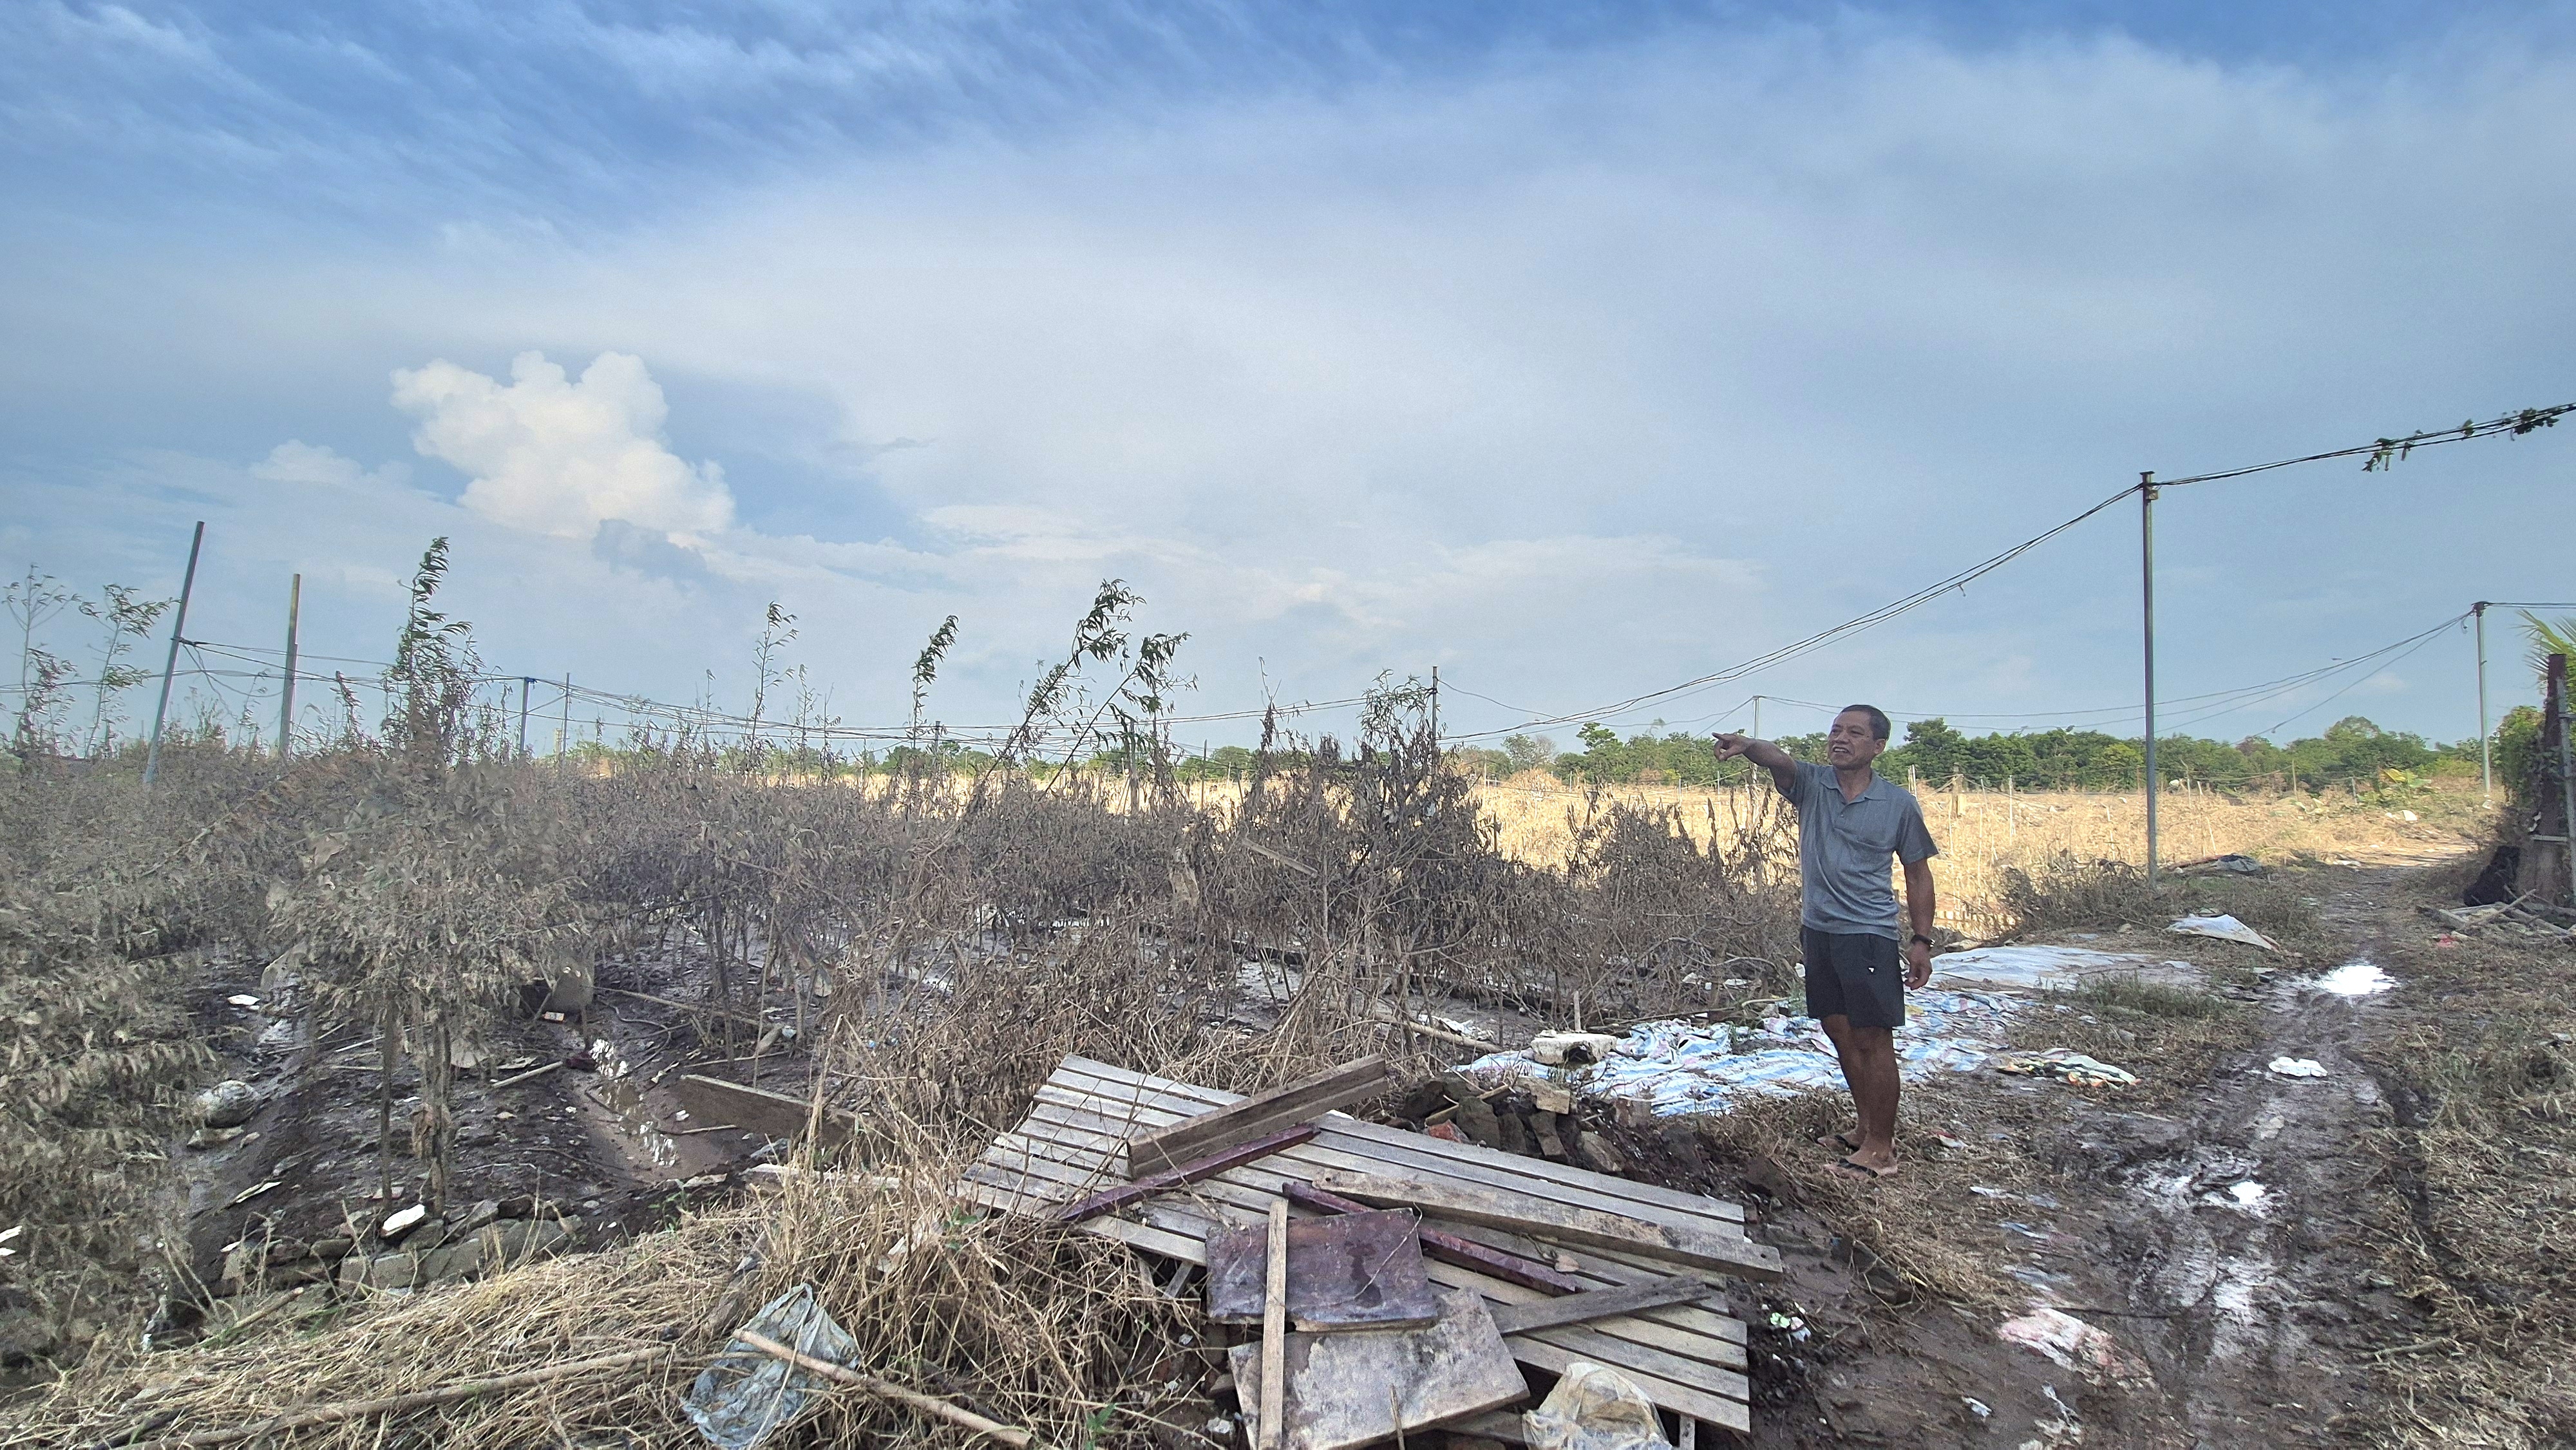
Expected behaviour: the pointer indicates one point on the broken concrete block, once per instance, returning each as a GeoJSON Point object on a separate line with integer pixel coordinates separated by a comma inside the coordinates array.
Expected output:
{"type": "Point", "coordinates": [1571, 1049]}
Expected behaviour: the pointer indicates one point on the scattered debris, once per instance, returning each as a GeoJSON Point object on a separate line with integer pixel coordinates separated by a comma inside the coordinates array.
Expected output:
{"type": "Point", "coordinates": [1594, 1408]}
{"type": "Point", "coordinates": [402, 1221]}
{"type": "Point", "coordinates": [8, 1234]}
{"type": "Point", "coordinates": [1188, 1173]}
{"type": "Point", "coordinates": [1530, 1213]}
{"type": "Point", "coordinates": [534, 1072]}
{"type": "Point", "coordinates": [763, 1111]}
{"type": "Point", "coordinates": [228, 1104]}
{"type": "Point", "coordinates": [254, 1191]}
{"type": "Point", "coordinates": [1260, 1115]}
{"type": "Point", "coordinates": [1602, 1303]}
{"type": "Point", "coordinates": [242, 999]}
{"type": "Point", "coordinates": [2355, 979]}
{"type": "Point", "coordinates": [2067, 1065]}
{"type": "Point", "coordinates": [2298, 1067]}
{"type": "Point", "coordinates": [748, 1393]}
{"type": "Point", "coordinates": [2231, 864]}
{"type": "Point", "coordinates": [1447, 1247]}
{"type": "Point", "coordinates": [2224, 928]}
{"type": "Point", "coordinates": [1358, 1384]}
{"type": "Point", "coordinates": [1341, 1391]}
{"type": "Point", "coordinates": [1350, 1271]}
{"type": "Point", "coordinates": [2071, 1343]}
{"type": "Point", "coordinates": [2249, 1195]}
{"type": "Point", "coordinates": [1571, 1049]}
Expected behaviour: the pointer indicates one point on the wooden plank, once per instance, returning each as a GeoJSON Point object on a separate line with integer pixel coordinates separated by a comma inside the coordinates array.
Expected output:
{"type": "Point", "coordinates": [1532, 1214]}
{"type": "Point", "coordinates": [1190, 1172]}
{"type": "Point", "coordinates": [1363, 1271]}
{"type": "Point", "coordinates": [1734, 1413]}
{"type": "Point", "coordinates": [1679, 1370]}
{"type": "Point", "coordinates": [1691, 1332]}
{"type": "Point", "coordinates": [1599, 1304]}
{"type": "Point", "coordinates": [1349, 1390]}
{"type": "Point", "coordinates": [1680, 1355]}
{"type": "Point", "coordinates": [1690, 1344]}
{"type": "Point", "coordinates": [1257, 1116]}
{"type": "Point", "coordinates": [1465, 1153]}
{"type": "Point", "coordinates": [1141, 1100]}
{"type": "Point", "coordinates": [1272, 1426]}
{"type": "Point", "coordinates": [1447, 1246]}
{"type": "Point", "coordinates": [1672, 1327]}
{"type": "Point", "coordinates": [760, 1110]}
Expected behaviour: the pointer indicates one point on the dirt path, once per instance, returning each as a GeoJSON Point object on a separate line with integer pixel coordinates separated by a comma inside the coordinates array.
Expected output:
{"type": "Point", "coordinates": [2217, 1246]}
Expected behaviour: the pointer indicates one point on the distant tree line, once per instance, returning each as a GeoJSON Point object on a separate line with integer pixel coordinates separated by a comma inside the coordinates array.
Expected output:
{"type": "Point", "coordinates": [2351, 749]}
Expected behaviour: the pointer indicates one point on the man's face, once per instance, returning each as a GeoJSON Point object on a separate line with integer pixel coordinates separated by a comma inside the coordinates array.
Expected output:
{"type": "Point", "coordinates": [1850, 743]}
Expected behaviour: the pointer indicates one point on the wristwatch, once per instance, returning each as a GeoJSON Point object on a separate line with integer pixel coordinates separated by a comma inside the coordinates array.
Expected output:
{"type": "Point", "coordinates": [1919, 937]}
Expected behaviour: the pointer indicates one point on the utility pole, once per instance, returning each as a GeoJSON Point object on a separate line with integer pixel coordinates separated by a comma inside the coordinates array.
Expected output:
{"type": "Point", "coordinates": [1757, 717]}
{"type": "Point", "coordinates": [1435, 707]}
{"type": "Point", "coordinates": [178, 628]}
{"type": "Point", "coordinates": [286, 709]}
{"type": "Point", "coordinates": [2147, 580]}
{"type": "Point", "coordinates": [526, 683]}
{"type": "Point", "coordinates": [563, 735]}
{"type": "Point", "coordinates": [2486, 746]}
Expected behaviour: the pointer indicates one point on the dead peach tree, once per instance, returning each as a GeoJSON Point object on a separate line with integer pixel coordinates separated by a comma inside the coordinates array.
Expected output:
{"type": "Point", "coordinates": [429, 907]}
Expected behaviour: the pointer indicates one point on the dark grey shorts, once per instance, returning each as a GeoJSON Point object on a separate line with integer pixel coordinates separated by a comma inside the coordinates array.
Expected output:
{"type": "Point", "coordinates": [1859, 976]}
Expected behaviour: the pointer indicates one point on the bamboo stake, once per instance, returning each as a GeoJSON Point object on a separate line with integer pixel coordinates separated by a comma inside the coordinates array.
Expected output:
{"type": "Point", "coordinates": [937, 1409]}
{"type": "Point", "coordinates": [394, 1404]}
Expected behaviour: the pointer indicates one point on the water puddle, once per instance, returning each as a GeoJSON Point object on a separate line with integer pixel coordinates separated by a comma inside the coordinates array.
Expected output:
{"type": "Point", "coordinates": [2355, 979]}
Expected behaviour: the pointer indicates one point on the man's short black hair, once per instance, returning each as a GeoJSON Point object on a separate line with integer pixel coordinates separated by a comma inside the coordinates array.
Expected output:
{"type": "Point", "coordinates": [1878, 725]}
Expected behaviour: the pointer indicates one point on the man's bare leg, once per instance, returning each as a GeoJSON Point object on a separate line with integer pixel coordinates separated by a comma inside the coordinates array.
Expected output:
{"type": "Point", "coordinates": [1868, 1056]}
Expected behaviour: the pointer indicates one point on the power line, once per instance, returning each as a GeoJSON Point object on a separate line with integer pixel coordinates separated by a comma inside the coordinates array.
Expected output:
{"type": "Point", "coordinates": [2381, 452]}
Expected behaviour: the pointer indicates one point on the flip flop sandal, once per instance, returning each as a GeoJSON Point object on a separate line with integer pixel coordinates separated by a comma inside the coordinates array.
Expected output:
{"type": "Point", "coordinates": [1873, 1174]}
{"type": "Point", "coordinates": [1842, 1141]}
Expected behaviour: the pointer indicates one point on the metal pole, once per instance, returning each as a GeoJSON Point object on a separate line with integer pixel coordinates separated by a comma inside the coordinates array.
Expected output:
{"type": "Point", "coordinates": [2486, 747]}
{"type": "Point", "coordinates": [526, 683]}
{"type": "Point", "coordinates": [2566, 774]}
{"type": "Point", "coordinates": [160, 712]}
{"type": "Point", "coordinates": [2147, 579]}
{"type": "Point", "coordinates": [1435, 707]}
{"type": "Point", "coordinates": [563, 735]}
{"type": "Point", "coordinates": [286, 709]}
{"type": "Point", "coordinates": [1757, 717]}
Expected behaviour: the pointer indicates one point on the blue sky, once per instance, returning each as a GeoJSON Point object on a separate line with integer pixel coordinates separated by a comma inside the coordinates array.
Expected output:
{"type": "Point", "coordinates": [1576, 350]}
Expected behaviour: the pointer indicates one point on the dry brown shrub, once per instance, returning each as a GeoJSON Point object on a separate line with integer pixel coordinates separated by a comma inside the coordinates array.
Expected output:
{"type": "Point", "coordinates": [1032, 1325]}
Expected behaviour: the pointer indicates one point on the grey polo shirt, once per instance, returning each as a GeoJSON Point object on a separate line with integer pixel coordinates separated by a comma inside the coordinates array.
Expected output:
{"type": "Point", "coordinates": [1843, 848]}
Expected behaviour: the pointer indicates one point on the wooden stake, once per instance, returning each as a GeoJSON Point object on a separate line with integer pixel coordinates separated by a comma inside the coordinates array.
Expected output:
{"type": "Point", "coordinates": [1274, 1333]}
{"type": "Point", "coordinates": [937, 1409]}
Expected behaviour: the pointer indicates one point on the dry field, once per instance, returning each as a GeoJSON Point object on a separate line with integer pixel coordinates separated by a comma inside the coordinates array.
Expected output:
{"type": "Point", "coordinates": [1984, 833]}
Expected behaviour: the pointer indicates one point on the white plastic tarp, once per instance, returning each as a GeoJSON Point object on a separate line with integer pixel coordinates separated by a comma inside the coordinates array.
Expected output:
{"type": "Point", "coordinates": [2052, 968]}
{"type": "Point", "coordinates": [1689, 1067]}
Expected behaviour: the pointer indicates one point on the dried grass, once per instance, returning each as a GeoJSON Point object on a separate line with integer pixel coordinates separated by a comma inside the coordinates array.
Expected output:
{"type": "Point", "coordinates": [1028, 1324]}
{"type": "Point", "coordinates": [2474, 1199]}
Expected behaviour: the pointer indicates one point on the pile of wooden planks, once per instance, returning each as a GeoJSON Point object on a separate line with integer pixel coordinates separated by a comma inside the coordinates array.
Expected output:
{"type": "Point", "coordinates": [1531, 1239]}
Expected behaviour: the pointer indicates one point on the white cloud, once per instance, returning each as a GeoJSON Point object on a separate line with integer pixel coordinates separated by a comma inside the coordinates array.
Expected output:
{"type": "Point", "coordinates": [555, 456]}
{"type": "Point", "coordinates": [296, 461]}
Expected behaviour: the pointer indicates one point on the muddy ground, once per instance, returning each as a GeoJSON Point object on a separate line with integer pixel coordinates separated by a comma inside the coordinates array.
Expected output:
{"type": "Point", "coordinates": [571, 1119]}
{"type": "Point", "coordinates": [2231, 1317]}
{"type": "Point", "coordinates": [2227, 1317]}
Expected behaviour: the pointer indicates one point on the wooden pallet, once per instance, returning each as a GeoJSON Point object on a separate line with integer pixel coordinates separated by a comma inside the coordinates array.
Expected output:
{"type": "Point", "coordinates": [1687, 1359]}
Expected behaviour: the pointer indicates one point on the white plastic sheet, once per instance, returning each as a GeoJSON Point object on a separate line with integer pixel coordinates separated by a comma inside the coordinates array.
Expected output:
{"type": "Point", "coordinates": [1689, 1067]}
{"type": "Point", "coordinates": [2225, 928]}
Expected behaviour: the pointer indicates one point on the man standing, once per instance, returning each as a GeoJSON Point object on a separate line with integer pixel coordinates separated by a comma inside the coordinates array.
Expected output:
{"type": "Point", "coordinates": [1849, 823]}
